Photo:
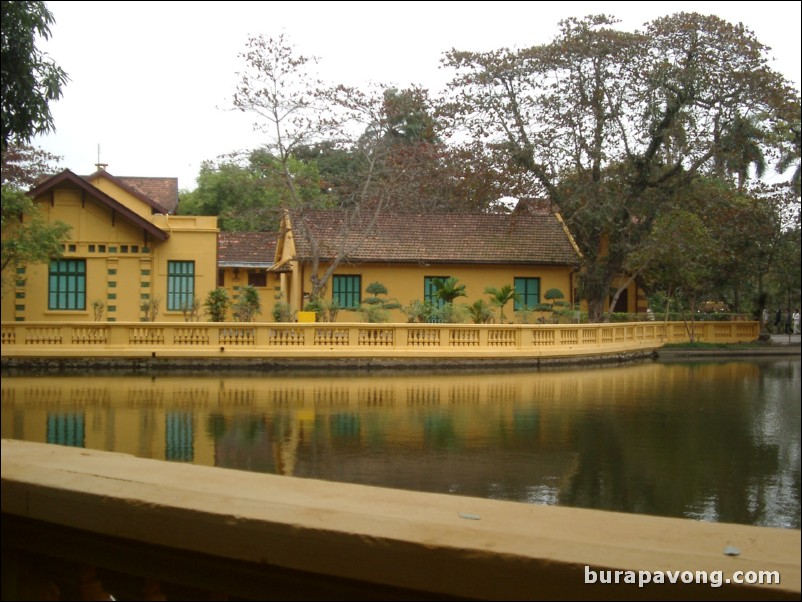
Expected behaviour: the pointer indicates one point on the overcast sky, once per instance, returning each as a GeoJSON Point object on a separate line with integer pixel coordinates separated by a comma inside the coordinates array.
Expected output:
{"type": "Point", "coordinates": [151, 83]}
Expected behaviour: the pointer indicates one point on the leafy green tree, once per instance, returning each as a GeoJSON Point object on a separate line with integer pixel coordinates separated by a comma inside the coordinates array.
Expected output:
{"type": "Point", "coordinates": [409, 116]}
{"type": "Point", "coordinates": [249, 195]}
{"type": "Point", "coordinates": [785, 272]}
{"type": "Point", "coordinates": [501, 296]}
{"type": "Point", "coordinates": [27, 237]}
{"type": "Point", "coordinates": [31, 81]}
{"type": "Point", "coordinates": [680, 258]}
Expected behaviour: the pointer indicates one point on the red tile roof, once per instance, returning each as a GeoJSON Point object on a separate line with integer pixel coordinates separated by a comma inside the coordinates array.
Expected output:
{"type": "Point", "coordinates": [246, 249]}
{"type": "Point", "coordinates": [518, 238]}
{"type": "Point", "coordinates": [67, 178]}
{"type": "Point", "coordinates": [162, 190]}
{"type": "Point", "coordinates": [160, 193]}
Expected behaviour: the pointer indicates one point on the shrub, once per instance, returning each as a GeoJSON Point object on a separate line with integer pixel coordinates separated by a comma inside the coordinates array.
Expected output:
{"type": "Point", "coordinates": [376, 308]}
{"type": "Point", "coordinates": [247, 306]}
{"type": "Point", "coordinates": [282, 311]}
{"type": "Point", "coordinates": [191, 310]}
{"type": "Point", "coordinates": [99, 308]}
{"type": "Point", "coordinates": [418, 311]}
{"type": "Point", "coordinates": [216, 304]}
{"type": "Point", "coordinates": [150, 309]}
{"type": "Point", "coordinates": [480, 312]}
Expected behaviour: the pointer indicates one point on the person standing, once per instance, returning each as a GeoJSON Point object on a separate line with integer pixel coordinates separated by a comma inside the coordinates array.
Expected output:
{"type": "Point", "coordinates": [795, 319]}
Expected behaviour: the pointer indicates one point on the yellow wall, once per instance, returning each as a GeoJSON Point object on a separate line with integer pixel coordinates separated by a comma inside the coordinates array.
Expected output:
{"type": "Point", "coordinates": [235, 278]}
{"type": "Point", "coordinates": [405, 283]}
{"type": "Point", "coordinates": [124, 267]}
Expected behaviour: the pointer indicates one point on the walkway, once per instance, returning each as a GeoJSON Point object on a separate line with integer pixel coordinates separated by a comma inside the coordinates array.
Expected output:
{"type": "Point", "coordinates": [786, 339]}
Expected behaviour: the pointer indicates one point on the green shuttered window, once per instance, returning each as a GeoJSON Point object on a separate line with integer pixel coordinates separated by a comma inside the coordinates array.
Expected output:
{"type": "Point", "coordinates": [180, 285]}
{"type": "Point", "coordinates": [67, 284]}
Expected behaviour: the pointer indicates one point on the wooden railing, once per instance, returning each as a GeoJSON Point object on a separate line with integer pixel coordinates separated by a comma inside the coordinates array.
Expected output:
{"type": "Point", "coordinates": [91, 525]}
{"type": "Point", "coordinates": [30, 339]}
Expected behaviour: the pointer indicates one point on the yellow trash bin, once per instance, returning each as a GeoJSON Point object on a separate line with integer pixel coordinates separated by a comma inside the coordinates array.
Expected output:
{"type": "Point", "coordinates": [306, 316]}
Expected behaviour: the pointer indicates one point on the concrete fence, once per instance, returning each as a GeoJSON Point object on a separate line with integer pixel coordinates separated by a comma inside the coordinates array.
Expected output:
{"type": "Point", "coordinates": [219, 340]}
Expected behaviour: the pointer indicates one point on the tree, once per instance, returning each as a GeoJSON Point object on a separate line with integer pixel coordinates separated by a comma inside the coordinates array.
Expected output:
{"type": "Point", "coordinates": [376, 308]}
{"type": "Point", "coordinates": [447, 289]}
{"type": "Point", "coordinates": [679, 258]}
{"type": "Point", "coordinates": [280, 87]}
{"type": "Point", "coordinates": [30, 79]}
{"type": "Point", "coordinates": [23, 166]}
{"type": "Point", "coordinates": [249, 195]}
{"type": "Point", "coordinates": [480, 312]}
{"type": "Point", "coordinates": [607, 124]}
{"type": "Point", "coordinates": [501, 296]}
{"type": "Point", "coordinates": [217, 304]}
{"type": "Point", "coordinates": [297, 111]}
{"type": "Point", "coordinates": [740, 148]}
{"type": "Point", "coordinates": [790, 152]}
{"type": "Point", "coordinates": [248, 305]}
{"type": "Point", "coordinates": [27, 237]}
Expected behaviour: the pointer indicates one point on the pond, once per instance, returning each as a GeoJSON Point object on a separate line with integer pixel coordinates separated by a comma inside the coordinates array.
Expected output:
{"type": "Point", "coordinates": [714, 441]}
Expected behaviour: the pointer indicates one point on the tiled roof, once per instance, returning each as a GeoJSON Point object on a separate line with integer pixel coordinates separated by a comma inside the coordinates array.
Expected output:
{"type": "Point", "coordinates": [67, 178]}
{"type": "Point", "coordinates": [243, 249]}
{"type": "Point", "coordinates": [518, 238]}
{"type": "Point", "coordinates": [160, 193]}
{"type": "Point", "coordinates": [162, 190]}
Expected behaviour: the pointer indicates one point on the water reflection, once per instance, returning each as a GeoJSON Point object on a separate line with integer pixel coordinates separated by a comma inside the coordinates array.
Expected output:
{"type": "Point", "coordinates": [712, 441]}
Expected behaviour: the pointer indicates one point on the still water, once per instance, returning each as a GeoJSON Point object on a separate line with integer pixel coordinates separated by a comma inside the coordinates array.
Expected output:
{"type": "Point", "coordinates": [715, 441]}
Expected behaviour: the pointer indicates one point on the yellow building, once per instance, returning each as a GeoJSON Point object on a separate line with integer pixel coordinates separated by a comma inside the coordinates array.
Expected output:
{"type": "Point", "coordinates": [244, 259]}
{"type": "Point", "coordinates": [127, 258]}
{"type": "Point", "coordinates": [530, 250]}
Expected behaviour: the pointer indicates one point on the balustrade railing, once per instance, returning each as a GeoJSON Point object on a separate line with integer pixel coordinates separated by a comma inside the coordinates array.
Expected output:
{"type": "Point", "coordinates": [74, 338]}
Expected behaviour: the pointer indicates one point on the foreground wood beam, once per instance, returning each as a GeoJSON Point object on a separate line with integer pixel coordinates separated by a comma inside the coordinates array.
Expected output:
{"type": "Point", "coordinates": [257, 535]}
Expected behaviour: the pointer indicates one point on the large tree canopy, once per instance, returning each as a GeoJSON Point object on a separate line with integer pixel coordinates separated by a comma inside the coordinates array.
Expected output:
{"type": "Point", "coordinates": [30, 80]}
{"type": "Point", "coordinates": [608, 124]}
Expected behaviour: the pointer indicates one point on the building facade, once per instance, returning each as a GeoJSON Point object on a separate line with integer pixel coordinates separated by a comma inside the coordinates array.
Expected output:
{"type": "Point", "coordinates": [407, 253]}
{"type": "Point", "coordinates": [128, 258]}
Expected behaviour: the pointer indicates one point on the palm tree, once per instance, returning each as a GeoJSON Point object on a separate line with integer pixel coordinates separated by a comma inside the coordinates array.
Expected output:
{"type": "Point", "coordinates": [501, 296]}
{"type": "Point", "coordinates": [789, 156]}
{"type": "Point", "coordinates": [480, 312]}
{"type": "Point", "coordinates": [740, 148]}
{"type": "Point", "coordinates": [447, 289]}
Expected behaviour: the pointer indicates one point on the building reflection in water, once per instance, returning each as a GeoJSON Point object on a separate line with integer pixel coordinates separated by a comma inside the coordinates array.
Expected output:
{"type": "Point", "coordinates": [714, 441]}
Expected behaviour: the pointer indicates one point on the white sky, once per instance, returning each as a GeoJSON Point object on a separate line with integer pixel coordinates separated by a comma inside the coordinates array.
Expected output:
{"type": "Point", "coordinates": [151, 83]}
